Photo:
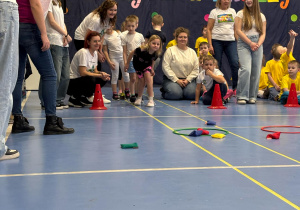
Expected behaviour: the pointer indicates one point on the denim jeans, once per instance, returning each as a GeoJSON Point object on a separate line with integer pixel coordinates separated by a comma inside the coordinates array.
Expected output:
{"type": "Point", "coordinates": [284, 97]}
{"type": "Point", "coordinates": [173, 91]}
{"type": "Point", "coordinates": [9, 36]}
{"type": "Point", "coordinates": [61, 60]}
{"type": "Point", "coordinates": [30, 43]}
{"type": "Point", "coordinates": [250, 67]}
{"type": "Point", "coordinates": [230, 50]}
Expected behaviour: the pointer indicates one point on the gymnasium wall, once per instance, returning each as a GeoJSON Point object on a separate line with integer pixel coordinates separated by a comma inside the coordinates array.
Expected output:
{"type": "Point", "coordinates": [281, 15]}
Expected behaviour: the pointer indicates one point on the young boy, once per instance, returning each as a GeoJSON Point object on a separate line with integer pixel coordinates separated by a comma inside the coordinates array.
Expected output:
{"type": "Point", "coordinates": [203, 38]}
{"type": "Point", "coordinates": [293, 76]}
{"type": "Point", "coordinates": [209, 77]}
{"type": "Point", "coordinates": [276, 68]}
{"type": "Point", "coordinates": [130, 41]}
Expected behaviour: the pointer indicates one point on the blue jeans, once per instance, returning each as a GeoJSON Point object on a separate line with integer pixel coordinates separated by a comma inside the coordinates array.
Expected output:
{"type": "Point", "coordinates": [230, 50]}
{"type": "Point", "coordinates": [249, 72]}
{"type": "Point", "coordinates": [9, 36]}
{"type": "Point", "coordinates": [173, 91]}
{"type": "Point", "coordinates": [61, 60]}
{"type": "Point", "coordinates": [30, 43]}
{"type": "Point", "coordinates": [284, 97]}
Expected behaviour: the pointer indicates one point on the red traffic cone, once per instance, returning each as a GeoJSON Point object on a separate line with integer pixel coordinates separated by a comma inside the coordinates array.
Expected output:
{"type": "Point", "coordinates": [98, 99]}
{"type": "Point", "coordinates": [217, 102]}
{"type": "Point", "coordinates": [292, 100]}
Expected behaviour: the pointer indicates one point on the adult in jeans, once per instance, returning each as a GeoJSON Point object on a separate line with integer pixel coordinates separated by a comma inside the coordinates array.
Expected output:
{"type": "Point", "coordinates": [59, 48]}
{"type": "Point", "coordinates": [9, 36]}
{"type": "Point", "coordinates": [181, 67]}
{"type": "Point", "coordinates": [221, 37]}
{"type": "Point", "coordinates": [250, 26]}
{"type": "Point", "coordinates": [33, 41]}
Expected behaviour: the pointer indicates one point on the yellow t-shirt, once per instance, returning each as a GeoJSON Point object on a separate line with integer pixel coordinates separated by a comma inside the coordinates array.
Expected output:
{"type": "Point", "coordinates": [198, 41]}
{"type": "Point", "coordinates": [171, 43]}
{"type": "Point", "coordinates": [263, 80]}
{"type": "Point", "coordinates": [285, 59]}
{"type": "Point", "coordinates": [287, 82]}
{"type": "Point", "coordinates": [276, 70]}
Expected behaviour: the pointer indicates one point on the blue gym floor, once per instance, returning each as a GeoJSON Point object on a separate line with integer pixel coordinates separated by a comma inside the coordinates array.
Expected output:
{"type": "Point", "coordinates": [89, 170]}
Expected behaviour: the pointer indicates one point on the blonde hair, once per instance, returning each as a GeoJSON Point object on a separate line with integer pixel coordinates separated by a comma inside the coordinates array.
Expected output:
{"type": "Point", "coordinates": [146, 46]}
{"type": "Point", "coordinates": [218, 4]}
{"type": "Point", "coordinates": [157, 20]}
{"type": "Point", "coordinates": [247, 17]}
{"type": "Point", "coordinates": [208, 58]}
{"type": "Point", "coordinates": [132, 19]}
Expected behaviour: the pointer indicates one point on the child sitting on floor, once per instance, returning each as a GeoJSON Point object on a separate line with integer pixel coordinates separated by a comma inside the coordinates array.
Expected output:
{"type": "Point", "coordinates": [292, 77]}
{"type": "Point", "coordinates": [263, 91]}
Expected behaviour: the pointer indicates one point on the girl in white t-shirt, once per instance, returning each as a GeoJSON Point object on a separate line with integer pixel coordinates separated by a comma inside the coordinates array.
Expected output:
{"type": "Point", "coordinates": [113, 52]}
{"type": "Point", "coordinates": [209, 77]}
{"type": "Point", "coordinates": [99, 20]}
{"type": "Point", "coordinates": [250, 26]}
{"type": "Point", "coordinates": [59, 48]}
{"type": "Point", "coordinates": [221, 37]}
{"type": "Point", "coordinates": [84, 74]}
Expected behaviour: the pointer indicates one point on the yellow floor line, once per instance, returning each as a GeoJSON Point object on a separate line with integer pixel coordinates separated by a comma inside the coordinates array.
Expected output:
{"type": "Point", "coordinates": [149, 170]}
{"type": "Point", "coordinates": [223, 161]}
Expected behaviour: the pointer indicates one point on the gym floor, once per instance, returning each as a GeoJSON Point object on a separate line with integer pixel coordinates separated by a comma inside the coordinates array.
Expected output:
{"type": "Point", "coordinates": [89, 170]}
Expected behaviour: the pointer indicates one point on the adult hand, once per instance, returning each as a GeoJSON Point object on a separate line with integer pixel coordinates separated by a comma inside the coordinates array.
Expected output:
{"type": "Point", "coordinates": [65, 41]}
{"type": "Point", "coordinates": [211, 50]}
{"type": "Point", "coordinates": [69, 39]}
{"type": "Point", "coordinates": [152, 72]}
{"type": "Point", "coordinates": [104, 76]}
{"type": "Point", "coordinates": [46, 42]}
{"type": "Point", "coordinates": [126, 66]}
{"type": "Point", "coordinates": [112, 65]}
{"type": "Point", "coordinates": [181, 83]}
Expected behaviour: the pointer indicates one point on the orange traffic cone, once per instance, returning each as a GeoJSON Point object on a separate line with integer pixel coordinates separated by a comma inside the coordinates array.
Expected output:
{"type": "Point", "coordinates": [292, 100]}
{"type": "Point", "coordinates": [217, 102]}
{"type": "Point", "coordinates": [98, 99]}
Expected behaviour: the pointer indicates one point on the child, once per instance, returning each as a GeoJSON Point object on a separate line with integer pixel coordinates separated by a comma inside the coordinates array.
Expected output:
{"type": "Point", "coordinates": [130, 41]}
{"type": "Point", "coordinates": [209, 77]}
{"type": "Point", "coordinates": [143, 61]}
{"type": "Point", "coordinates": [292, 77]}
{"type": "Point", "coordinates": [263, 91]}
{"type": "Point", "coordinates": [276, 68]}
{"type": "Point", "coordinates": [203, 38]}
{"type": "Point", "coordinates": [112, 42]}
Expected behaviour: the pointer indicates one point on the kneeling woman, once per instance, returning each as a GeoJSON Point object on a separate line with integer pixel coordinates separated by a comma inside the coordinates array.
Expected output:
{"type": "Point", "coordinates": [84, 74]}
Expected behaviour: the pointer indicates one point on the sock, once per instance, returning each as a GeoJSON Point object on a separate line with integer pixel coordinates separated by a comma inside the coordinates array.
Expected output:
{"type": "Point", "coordinates": [150, 98]}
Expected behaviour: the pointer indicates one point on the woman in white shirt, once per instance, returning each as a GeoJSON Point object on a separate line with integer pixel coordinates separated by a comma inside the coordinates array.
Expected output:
{"type": "Point", "coordinates": [221, 38]}
{"type": "Point", "coordinates": [250, 26]}
{"type": "Point", "coordinates": [181, 67]}
{"type": "Point", "coordinates": [84, 74]}
{"type": "Point", "coordinates": [59, 48]}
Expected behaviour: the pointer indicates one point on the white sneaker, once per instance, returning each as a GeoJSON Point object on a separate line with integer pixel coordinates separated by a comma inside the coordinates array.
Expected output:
{"type": "Point", "coordinates": [251, 101]}
{"type": "Point", "coordinates": [150, 103]}
{"type": "Point", "coordinates": [241, 101]}
{"type": "Point", "coordinates": [90, 99]}
{"type": "Point", "coordinates": [105, 100]}
{"type": "Point", "coordinates": [138, 102]}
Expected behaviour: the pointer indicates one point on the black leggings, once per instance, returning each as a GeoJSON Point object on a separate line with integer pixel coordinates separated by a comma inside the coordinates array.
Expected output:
{"type": "Point", "coordinates": [207, 97]}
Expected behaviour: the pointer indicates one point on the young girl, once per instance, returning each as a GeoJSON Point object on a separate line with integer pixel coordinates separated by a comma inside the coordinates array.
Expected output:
{"type": "Point", "coordinates": [84, 74]}
{"type": "Point", "coordinates": [59, 39]}
{"type": "Point", "coordinates": [250, 26]}
{"type": "Point", "coordinates": [143, 61]}
{"type": "Point", "coordinates": [112, 42]}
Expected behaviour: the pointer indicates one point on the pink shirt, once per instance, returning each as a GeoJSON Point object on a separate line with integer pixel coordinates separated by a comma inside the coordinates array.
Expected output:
{"type": "Point", "coordinates": [25, 12]}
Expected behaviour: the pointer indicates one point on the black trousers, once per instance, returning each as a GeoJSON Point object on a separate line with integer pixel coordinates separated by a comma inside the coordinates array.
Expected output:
{"type": "Point", "coordinates": [207, 98]}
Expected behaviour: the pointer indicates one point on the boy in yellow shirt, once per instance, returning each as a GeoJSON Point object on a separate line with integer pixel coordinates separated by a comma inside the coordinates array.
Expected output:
{"type": "Point", "coordinates": [203, 38]}
{"type": "Point", "coordinates": [293, 76]}
{"type": "Point", "coordinates": [263, 91]}
{"type": "Point", "coordinates": [276, 68]}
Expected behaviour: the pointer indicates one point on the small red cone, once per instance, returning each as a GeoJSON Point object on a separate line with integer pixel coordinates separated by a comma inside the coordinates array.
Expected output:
{"type": "Point", "coordinates": [292, 100]}
{"type": "Point", "coordinates": [98, 99]}
{"type": "Point", "coordinates": [275, 135]}
{"type": "Point", "coordinates": [217, 102]}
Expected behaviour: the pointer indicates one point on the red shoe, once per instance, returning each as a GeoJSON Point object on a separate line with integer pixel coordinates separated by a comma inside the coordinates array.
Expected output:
{"type": "Point", "coordinates": [228, 94]}
{"type": "Point", "coordinates": [234, 93]}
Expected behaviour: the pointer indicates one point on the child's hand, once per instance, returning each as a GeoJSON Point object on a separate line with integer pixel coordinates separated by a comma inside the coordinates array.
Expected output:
{"type": "Point", "coordinates": [126, 66]}
{"type": "Point", "coordinates": [254, 46]}
{"type": "Point", "coordinates": [277, 87]}
{"type": "Point", "coordinates": [209, 73]}
{"type": "Point", "coordinates": [112, 66]}
{"type": "Point", "coordinates": [293, 33]}
{"type": "Point", "coordinates": [195, 102]}
{"type": "Point", "coordinates": [101, 57]}
{"type": "Point", "coordinates": [152, 72]}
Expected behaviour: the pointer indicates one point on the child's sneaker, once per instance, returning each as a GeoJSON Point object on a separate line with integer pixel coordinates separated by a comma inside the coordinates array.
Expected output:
{"type": "Point", "coordinates": [127, 95]}
{"type": "Point", "coordinates": [10, 154]}
{"type": "Point", "coordinates": [132, 98]}
{"type": "Point", "coordinates": [138, 102]}
{"type": "Point", "coordinates": [228, 95]}
{"type": "Point", "coordinates": [150, 103]}
{"type": "Point", "coordinates": [234, 93]}
{"type": "Point", "coordinates": [122, 96]}
{"type": "Point", "coordinates": [116, 97]}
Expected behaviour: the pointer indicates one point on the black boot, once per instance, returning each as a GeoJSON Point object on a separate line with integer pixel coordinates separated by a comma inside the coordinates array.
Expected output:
{"type": "Point", "coordinates": [54, 125]}
{"type": "Point", "coordinates": [21, 125]}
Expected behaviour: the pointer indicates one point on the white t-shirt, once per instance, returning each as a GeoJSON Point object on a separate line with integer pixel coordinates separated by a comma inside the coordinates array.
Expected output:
{"type": "Point", "coordinates": [224, 24]}
{"type": "Point", "coordinates": [54, 36]}
{"type": "Point", "coordinates": [92, 22]}
{"type": "Point", "coordinates": [253, 30]}
{"type": "Point", "coordinates": [132, 41]}
{"type": "Point", "coordinates": [83, 58]}
{"type": "Point", "coordinates": [206, 80]}
{"type": "Point", "coordinates": [114, 44]}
